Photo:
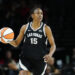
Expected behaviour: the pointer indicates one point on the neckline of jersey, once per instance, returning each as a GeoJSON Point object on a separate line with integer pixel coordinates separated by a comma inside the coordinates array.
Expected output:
{"type": "Point", "coordinates": [37, 28]}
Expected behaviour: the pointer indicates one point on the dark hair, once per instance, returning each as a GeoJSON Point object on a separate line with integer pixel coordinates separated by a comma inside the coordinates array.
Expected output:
{"type": "Point", "coordinates": [32, 11]}
{"type": "Point", "coordinates": [36, 7]}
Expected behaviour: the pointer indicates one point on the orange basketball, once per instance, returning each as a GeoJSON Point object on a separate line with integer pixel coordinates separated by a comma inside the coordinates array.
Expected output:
{"type": "Point", "coordinates": [6, 35]}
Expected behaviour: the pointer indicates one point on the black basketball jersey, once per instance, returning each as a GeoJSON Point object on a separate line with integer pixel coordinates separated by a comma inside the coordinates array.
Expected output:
{"type": "Point", "coordinates": [34, 45]}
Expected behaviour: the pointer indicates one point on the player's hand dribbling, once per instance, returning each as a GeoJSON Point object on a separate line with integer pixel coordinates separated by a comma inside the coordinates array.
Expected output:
{"type": "Point", "coordinates": [48, 59]}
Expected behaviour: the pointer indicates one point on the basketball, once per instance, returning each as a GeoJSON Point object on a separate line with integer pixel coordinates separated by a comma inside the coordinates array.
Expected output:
{"type": "Point", "coordinates": [6, 35]}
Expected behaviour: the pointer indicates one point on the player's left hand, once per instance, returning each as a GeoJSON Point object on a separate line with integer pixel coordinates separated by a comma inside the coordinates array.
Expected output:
{"type": "Point", "coordinates": [48, 59]}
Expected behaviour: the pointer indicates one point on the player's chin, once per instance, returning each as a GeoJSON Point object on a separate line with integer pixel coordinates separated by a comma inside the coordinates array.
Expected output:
{"type": "Point", "coordinates": [39, 19]}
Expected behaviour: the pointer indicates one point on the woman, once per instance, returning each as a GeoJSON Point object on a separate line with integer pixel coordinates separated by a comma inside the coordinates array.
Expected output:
{"type": "Point", "coordinates": [34, 54]}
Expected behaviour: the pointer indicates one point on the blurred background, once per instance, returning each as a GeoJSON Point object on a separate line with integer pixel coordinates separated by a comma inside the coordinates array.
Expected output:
{"type": "Point", "coordinates": [59, 15]}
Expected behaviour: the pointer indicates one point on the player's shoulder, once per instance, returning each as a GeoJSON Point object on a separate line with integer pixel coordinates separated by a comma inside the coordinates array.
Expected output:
{"type": "Point", "coordinates": [47, 27]}
{"type": "Point", "coordinates": [24, 26]}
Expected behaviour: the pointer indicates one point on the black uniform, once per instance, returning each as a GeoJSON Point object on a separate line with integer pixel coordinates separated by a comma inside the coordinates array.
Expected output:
{"type": "Point", "coordinates": [33, 50]}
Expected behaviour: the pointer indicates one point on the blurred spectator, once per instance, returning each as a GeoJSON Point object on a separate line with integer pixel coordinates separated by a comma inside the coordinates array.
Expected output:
{"type": "Point", "coordinates": [67, 70]}
{"type": "Point", "coordinates": [1, 65]}
{"type": "Point", "coordinates": [59, 64]}
{"type": "Point", "coordinates": [69, 67]}
{"type": "Point", "coordinates": [52, 70]}
{"type": "Point", "coordinates": [10, 64]}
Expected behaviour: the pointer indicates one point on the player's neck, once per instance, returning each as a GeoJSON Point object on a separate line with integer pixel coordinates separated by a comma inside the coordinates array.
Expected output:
{"type": "Point", "coordinates": [35, 24]}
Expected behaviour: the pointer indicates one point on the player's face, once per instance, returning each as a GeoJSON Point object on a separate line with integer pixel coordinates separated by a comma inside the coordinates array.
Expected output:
{"type": "Point", "coordinates": [37, 15]}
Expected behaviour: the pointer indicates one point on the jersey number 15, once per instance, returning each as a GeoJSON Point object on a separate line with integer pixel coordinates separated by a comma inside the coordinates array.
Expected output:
{"type": "Point", "coordinates": [33, 40]}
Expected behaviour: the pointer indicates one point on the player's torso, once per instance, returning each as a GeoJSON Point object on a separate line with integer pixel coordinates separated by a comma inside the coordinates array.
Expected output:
{"type": "Point", "coordinates": [34, 37]}
{"type": "Point", "coordinates": [34, 40]}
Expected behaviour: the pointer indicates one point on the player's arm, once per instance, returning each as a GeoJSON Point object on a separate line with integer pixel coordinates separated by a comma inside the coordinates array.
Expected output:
{"type": "Point", "coordinates": [19, 38]}
{"type": "Point", "coordinates": [51, 40]}
{"type": "Point", "coordinates": [12, 66]}
{"type": "Point", "coordinates": [48, 58]}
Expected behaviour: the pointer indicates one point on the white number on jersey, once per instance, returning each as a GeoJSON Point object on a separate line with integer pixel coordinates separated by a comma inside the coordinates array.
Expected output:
{"type": "Point", "coordinates": [33, 40]}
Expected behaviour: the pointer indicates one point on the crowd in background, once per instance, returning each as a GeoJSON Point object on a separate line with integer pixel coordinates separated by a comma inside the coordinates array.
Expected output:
{"type": "Point", "coordinates": [15, 13]}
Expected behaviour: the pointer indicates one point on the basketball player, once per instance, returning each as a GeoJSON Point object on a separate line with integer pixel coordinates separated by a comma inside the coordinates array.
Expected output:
{"type": "Point", "coordinates": [34, 54]}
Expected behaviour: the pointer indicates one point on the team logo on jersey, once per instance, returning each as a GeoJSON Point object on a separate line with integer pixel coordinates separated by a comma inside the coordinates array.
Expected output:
{"type": "Point", "coordinates": [34, 34]}
{"type": "Point", "coordinates": [29, 30]}
{"type": "Point", "coordinates": [40, 30]}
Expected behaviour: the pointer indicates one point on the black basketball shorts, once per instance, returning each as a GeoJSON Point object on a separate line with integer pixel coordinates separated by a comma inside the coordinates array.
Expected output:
{"type": "Point", "coordinates": [37, 67]}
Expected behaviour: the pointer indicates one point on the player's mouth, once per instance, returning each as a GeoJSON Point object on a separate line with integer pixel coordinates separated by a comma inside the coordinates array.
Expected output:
{"type": "Point", "coordinates": [40, 18]}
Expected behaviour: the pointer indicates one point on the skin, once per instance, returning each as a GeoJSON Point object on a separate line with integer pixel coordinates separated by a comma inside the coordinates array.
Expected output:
{"type": "Point", "coordinates": [11, 65]}
{"type": "Point", "coordinates": [37, 17]}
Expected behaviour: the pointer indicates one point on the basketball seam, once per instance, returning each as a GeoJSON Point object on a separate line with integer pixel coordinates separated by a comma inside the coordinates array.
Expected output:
{"type": "Point", "coordinates": [9, 33]}
{"type": "Point", "coordinates": [4, 31]}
